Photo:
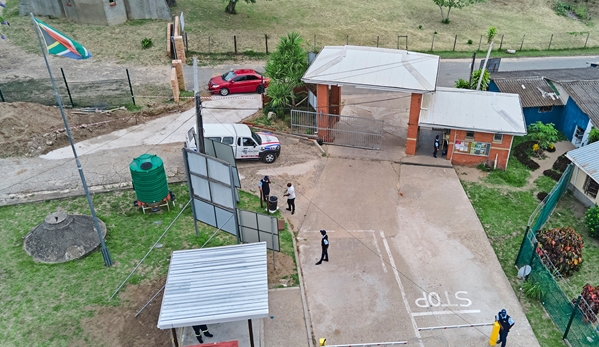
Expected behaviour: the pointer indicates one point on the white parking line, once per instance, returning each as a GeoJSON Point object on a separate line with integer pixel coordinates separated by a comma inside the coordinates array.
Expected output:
{"type": "Point", "coordinates": [380, 254]}
{"type": "Point", "coordinates": [439, 313]}
{"type": "Point", "coordinates": [401, 289]}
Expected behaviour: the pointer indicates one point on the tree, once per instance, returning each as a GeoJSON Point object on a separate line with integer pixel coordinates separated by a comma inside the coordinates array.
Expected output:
{"type": "Point", "coordinates": [594, 135]}
{"type": "Point", "coordinates": [544, 134]}
{"type": "Point", "coordinates": [231, 5]}
{"type": "Point", "coordinates": [451, 4]}
{"type": "Point", "coordinates": [285, 67]}
{"type": "Point", "coordinates": [463, 84]}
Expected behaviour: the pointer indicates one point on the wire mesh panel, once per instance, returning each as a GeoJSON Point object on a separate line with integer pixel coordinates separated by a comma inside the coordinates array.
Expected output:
{"type": "Point", "coordinates": [338, 130]}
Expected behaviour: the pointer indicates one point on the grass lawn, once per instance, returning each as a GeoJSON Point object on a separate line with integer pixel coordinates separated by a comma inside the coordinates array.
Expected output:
{"type": "Point", "coordinates": [44, 304]}
{"type": "Point", "coordinates": [356, 22]}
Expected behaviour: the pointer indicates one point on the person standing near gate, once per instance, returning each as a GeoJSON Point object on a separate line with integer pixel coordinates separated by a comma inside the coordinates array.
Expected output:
{"type": "Point", "coordinates": [199, 329]}
{"type": "Point", "coordinates": [324, 244]}
{"type": "Point", "coordinates": [505, 324]}
{"type": "Point", "coordinates": [264, 186]}
{"type": "Point", "coordinates": [290, 194]}
{"type": "Point", "coordinates": [436, 146]}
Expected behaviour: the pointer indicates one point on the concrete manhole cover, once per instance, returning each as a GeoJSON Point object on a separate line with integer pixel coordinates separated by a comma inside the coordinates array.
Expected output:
{"type": "Point", "coordinates": [63, 237]}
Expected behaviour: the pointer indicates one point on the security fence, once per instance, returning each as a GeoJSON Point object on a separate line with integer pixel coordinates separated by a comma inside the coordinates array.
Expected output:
{"type": "Point", "coordinates": [578, 326]}
{"type": "Point", "coordinates": [96, 94]}
{"type": "Point", "coordinates": [423, 41]}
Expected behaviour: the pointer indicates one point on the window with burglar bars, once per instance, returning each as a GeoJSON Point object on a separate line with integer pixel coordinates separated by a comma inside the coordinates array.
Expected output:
{"type": "Point", "coordinates": [591, 187]}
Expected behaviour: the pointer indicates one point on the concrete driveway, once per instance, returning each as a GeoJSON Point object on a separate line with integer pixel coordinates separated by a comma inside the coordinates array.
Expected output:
{"type": "Point", "coordinates": [407, 252]}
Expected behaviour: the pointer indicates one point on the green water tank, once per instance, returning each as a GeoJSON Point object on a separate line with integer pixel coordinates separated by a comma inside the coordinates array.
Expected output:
{"type": "Point", "coordinates": [149, 178]}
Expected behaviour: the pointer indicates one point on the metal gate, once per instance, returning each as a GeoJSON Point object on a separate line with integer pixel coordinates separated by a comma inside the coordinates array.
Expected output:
{"type": "Point", "coordinates": [338, 130]}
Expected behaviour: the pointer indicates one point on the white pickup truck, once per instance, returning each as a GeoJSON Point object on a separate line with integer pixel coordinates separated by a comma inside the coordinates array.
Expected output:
{"type": "Point", "coordinates": [246, 143]}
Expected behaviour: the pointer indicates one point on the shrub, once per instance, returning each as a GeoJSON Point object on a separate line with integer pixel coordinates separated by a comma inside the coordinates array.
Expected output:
{"type": "Point", "coordinates": [552, 174]}
{"type": "Point", "coordinates": [420, 27]}
{"type": "Point", "coordinates": [521, 153]}
{"type": "Point", "coordinates": [561, 163]}
{"type": "Point", "coordinates": [541, 196]}
{"type": "Point", "coordinates": [563, 247]}
{"type": "Point", "coordinates": [581, 11]}
{"type": "Point", "coordinates": [533, 290]}
{"type": "Point", "coordinates": [590, 294]}
{"type": "Point", "coordinates": [543, 134]}
{"type": "Point", "coordinates": [594, 135]}
{"type": "Point", "coordinates": [551, 148]}
{"type": "Point", "coordinates": [445, 21]}
{"type": "Point", "coordinates": [469, 42]}
{"type": "Point", "coordinates": [562, 8]}
{"type": "Point", "coordinates": [591, 220]}
{"type": "Point", "coordinates": [462, 84]}
{"type": "Point", "coordinates": [435, 33]}
{"type": "Point", "coordinates": [146, 43]}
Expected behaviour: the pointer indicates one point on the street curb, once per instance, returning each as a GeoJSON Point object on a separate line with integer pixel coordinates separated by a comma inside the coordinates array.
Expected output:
{"type": "Point", "coordinates": [302, 290]}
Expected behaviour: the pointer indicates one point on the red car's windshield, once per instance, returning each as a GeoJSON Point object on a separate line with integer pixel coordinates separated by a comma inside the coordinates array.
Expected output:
{"type": "Point", "coordinates": [228, 76]}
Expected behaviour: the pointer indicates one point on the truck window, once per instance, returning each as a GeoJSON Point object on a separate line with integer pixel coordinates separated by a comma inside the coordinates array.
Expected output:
{"type": "Point", "coordinates": [228, 140]}
{"type": "Point", "coordinates": [248, 142]}
{"type": "Point", "coordinates": [217, 139]}
{"type": "Point", "coordinates": [256, 138]}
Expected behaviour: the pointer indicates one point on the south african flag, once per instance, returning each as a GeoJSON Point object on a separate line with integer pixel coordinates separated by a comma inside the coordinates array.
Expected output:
{"type": "Point", "coordinates": [60, 44]}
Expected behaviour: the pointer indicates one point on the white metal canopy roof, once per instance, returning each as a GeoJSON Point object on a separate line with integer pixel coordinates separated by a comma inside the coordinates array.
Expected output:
{"type": "Point", "coordinates": [473, 110]}
{"type": "Point", "coordinates": [215, 285]}
{"type": "Point", "coordinates": [587, 159]}
{"type": "Point", "coordinates": [374, 68]}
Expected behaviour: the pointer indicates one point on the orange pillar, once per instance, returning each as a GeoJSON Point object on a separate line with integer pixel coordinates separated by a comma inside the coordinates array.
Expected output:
{"type": "Point", "coordinates": [335, 100]}
{"type": "Point", "coordinates": [415, 104]}
{"type": "Point", "coordinates": [322, 96]}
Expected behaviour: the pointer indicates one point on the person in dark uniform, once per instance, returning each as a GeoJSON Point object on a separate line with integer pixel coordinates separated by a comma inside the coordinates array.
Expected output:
{"type": "Point", "coordinates": [436, 146]}
{"type": "Point", "coordinates": [505, 324]}
{"type": "Point", "coordinates": [199, 329]}
{"type": "Point", "coordinates": [324, 244]}
{"type": "Point", "coordinates": [264, 187]}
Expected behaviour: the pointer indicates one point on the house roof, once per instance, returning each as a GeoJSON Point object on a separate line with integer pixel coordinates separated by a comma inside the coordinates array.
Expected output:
{"type": "Point", "coordinates": [215, 285]}
{"type": "Point", "coordinates": [534, 92]}
{"type": "Point", "coordinates": [557, 75]}
{"type": "Point", "coordinates": [587, 159]}
{"type": "Point", "coordinates": [374, 68]}
{"type": "Point", "coordinates": [466, 109]}
{"type": "Point", "coordinates": [586, 96]}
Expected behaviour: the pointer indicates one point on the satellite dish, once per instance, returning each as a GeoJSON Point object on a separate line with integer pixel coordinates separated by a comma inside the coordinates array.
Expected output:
{"type": "Point", "coordinates": [524, 271]}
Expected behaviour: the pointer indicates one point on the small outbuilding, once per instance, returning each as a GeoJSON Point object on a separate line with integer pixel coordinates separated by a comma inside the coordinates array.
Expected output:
{"type": "Point", "coordinates": [585, 178]}
{"type": "Point", "coordinates": [474, 126]}
{"type": "Point", "coordinates": [215, 285]}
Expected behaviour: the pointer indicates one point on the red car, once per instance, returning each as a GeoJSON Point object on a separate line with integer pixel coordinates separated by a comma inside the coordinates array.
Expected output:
{"type": "Point", "coordinates": [238, 81]}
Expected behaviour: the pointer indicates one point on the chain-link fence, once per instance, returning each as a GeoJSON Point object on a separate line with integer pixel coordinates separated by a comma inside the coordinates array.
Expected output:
{"type": "Point", "coordinates": [96, 94]}
{"type": "Point", "coordinates": [416, 41]}
{"type": "Point", "coordinates": [578, 326]}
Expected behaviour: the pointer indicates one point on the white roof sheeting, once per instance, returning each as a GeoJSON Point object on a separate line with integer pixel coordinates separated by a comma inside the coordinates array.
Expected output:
{"type": "Point", "coordinates": [374, 68]}
{"type": "Point", "coordinates": [473, 110]}
{"type": "Point", "coordinates": [215, 285]}
{"type": "Point", "coordinates": [587, 159]}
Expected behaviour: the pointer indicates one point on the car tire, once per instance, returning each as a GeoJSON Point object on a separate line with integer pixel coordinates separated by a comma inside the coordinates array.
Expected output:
{"type": "Point", "coordinates": [224, 92]}
{"type": "Point", "coordinates": [260, 89]}
{"type": "Point", "coordinates": [269, 157]}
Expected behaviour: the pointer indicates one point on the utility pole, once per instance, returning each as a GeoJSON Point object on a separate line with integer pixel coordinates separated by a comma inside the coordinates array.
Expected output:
{"type": "Point", "coordinates": [198, 103]}
{"type": "Point", "coordinates": [472, 68]}
{"type": "Point", "coordinates": [490, 36]}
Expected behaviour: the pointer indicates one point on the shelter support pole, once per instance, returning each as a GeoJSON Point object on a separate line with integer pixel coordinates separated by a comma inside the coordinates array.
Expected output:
{"type": "Point", "coordinates": [415, 104]}
{"type": "Point", "coordinates": [174, 337]}
{"type": "Point", "coordinates": [251, 329]}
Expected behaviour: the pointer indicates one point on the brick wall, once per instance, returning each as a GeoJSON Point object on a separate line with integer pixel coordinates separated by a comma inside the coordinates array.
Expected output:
{"type": "Point", "coordinates": [499, 149]}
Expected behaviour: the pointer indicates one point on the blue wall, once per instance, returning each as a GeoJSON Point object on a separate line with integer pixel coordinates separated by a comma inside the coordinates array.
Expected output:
{"type": "Point", "coordinates": [493, 87]}
{"type": "Point", "coordinates": [571, 117]}
{"type": "Point", "coordinates": [532, 115]}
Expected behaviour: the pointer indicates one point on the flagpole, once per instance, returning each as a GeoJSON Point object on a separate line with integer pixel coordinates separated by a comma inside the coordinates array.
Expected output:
{"type": "Point", "coordinates": [105, 253]}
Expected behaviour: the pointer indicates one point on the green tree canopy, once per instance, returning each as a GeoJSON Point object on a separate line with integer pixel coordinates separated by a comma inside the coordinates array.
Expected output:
{"type": "Point", "coordinates": [544, 134]}
{"type": "Point", "coordinates": [449, 4]}
{"type": "Point", "coordinates": [484, 85]}
{"type": "Point", "coordinates": [231, 5]}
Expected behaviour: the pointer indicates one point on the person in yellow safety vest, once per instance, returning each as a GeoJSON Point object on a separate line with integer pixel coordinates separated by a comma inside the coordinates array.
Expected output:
{"type": "Point", "coordinates": [199, 329]}
{"type": "Point", "coordinates": [505, 323]}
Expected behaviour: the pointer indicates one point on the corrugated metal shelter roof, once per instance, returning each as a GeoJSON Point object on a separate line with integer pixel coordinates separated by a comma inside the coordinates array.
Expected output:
{"type": "Point", "coordinates": [374, 68]}
{"type": "Point", "coordinates": [557, 75]}
{"type": "Point", "coordinates": [534, 92]}
{"type": "Point", "coordinates": [586, 96]}
{"type": "Point", "coordinates": [215, 285]}
{"type": "Point", "coordinates": [472, 110]}
{"type": "Point", "coordinates": [587, 159]}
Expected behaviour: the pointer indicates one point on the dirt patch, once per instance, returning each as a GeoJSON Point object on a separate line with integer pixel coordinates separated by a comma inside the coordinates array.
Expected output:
{"type": "Point", "coordinates": [470, 174]}
{"type": "Point", "coordinates": [28, 129]}
{"type": "Point", "coordinates": [118, 326]}
{"type": "Point", "coordinates": [281, 274]}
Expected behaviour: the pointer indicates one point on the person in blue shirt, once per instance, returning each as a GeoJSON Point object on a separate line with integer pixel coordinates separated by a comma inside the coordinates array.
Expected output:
{"type": "Point", "coordinates": [264, 186]}
{"type": "Point", "coordinates": [505, 324]}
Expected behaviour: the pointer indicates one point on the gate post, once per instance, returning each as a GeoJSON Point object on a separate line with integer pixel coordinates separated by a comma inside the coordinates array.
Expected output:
{"type": "Point", "coordinates": [415, 103]}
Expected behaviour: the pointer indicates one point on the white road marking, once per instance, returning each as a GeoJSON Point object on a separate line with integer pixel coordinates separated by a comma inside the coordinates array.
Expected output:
{"type": "Point", "coordinates": [438, 313]}
{"type": "Point", "coordinates": [361, 231]}
{"type": "Point", "coordinates": [401, 289]}
{"type": "Point", "coordinates": [380, 254]}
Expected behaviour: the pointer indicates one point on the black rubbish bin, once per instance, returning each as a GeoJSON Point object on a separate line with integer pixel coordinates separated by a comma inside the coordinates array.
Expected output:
{"type": "Point", "coordinates": [272, 203]}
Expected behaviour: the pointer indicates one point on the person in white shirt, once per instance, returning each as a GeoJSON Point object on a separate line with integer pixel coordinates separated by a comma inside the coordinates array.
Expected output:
{"type": "Point", "coordinates": [290, 198]}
